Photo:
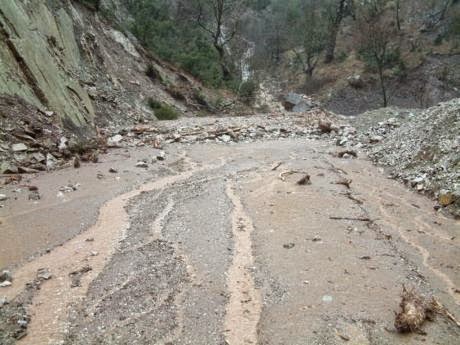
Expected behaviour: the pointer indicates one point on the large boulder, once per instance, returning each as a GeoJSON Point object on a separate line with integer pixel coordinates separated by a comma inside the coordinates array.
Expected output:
{"type": "Point", "coordinates": [297, 103]}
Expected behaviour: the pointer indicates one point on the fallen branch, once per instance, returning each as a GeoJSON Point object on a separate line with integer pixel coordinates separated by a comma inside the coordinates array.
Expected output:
{"type": "Point", "coordinates": [359, 219]}
{"type": "Point", "coordinates": [276, 166]}
{"type": "Point", "coordinates": [345, 182]}
{"type": "Point", "coordinates": [353, 198]}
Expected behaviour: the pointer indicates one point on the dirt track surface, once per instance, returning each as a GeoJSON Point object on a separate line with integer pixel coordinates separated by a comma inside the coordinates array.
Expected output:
{"type": "Point", "coordinates": [213, 246]}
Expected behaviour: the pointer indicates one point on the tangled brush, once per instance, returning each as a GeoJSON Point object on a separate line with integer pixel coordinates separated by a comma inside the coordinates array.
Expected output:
{"type": "Point", "coordinates": [415, 309]}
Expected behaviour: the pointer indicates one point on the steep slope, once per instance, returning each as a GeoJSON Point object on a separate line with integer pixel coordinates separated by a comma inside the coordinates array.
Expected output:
{"type": "Point", "coordinates": [66, 71]}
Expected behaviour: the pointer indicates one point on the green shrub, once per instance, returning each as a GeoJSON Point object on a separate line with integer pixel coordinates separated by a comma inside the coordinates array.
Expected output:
{"type": "Point", "coordinates": [154, 104]}
{"type": "Point", "coordinates": [166, 113]}
{"type": "Point", "coordinates": [162, 111]}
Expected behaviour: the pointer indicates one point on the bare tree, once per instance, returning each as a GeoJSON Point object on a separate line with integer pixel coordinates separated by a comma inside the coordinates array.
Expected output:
{"type": "Point", "coordinates": [374, 45]}
{"type": "Point", "coordinates": [219, 19]}
{"type": "Point", "coordinates": [312, 33]}
{"type": "Point", "coordinates": [398, 14]}
{"type": "Point", "coordinates": [336, 11]}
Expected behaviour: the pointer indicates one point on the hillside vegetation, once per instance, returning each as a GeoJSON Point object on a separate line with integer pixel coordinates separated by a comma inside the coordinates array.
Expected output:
{"type": "Point", "coordinates": [353, 55]}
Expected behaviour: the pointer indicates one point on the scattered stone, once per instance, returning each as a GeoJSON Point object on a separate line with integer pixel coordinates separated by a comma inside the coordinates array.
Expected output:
{"type": "Point", "coordinates": [347, 154]}
{"type": "Point", "coordinates": [6, 276]}
{"type": "Point", "coordinates": [44, 274]}
{"type": "Point", "coordinates": [289, 245]}
{"type": "Point", "coordinates": [76, 275]}
{"type": "Point", "coordinates": [76, 162]}
{"type": "Point", "coordinates": [34, 196]}
{"type": "Point", "coordinates": [327, 299]}
{"type": "Point", "coordinates": [114, 141]}
{"type": "Point", "coordinates": [69, 188]}
{"type": "Point", "coordinates": [356, 81]}
{"type": "Point", "coordinates": [225, 138]}
{"type": "Point", "coordinates": [325, 126]}
{"type": "Point", "coordinates": [161, 156]}
{"type": "Point", "coordinates": [51, 161]}
{"type": "Point", "coordinates": [8, 168]}
{"type": "Point", "coordinates": [375, 139]}
{"type": "Point", "coordinates": [19, 147]}
{"type": "Point", "coordinates": [304, 180]}
{"type": "Point", "coordinates": [62, 144]}
{"type": "Point", "coordinates": [3, 301]}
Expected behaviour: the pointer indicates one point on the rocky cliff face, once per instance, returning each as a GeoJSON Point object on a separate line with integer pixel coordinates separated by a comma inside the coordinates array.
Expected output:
{"type": "Point", "coordinates": [41, 60]}
{"type": "Point", "coordinates": [66, 71]}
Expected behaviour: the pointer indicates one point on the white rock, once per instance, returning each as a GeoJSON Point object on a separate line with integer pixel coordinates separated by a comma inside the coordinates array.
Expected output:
{"type": "Point", "coordinates": [63, 143]}
{"type": "Point", "coordinates": [19, 147]}
{"type": "Point", "coordinates": [115, 140]}
{"type": "Point", "coordinates": [3, 197]}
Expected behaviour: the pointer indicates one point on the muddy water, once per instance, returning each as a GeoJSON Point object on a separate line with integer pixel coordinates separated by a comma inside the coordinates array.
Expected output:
{"type": "Point", "coordinates": [244, 307]}
{"type": "Point", "coordinates": [94, 247]}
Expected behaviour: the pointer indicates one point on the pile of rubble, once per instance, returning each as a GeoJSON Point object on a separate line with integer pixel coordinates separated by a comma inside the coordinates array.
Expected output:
{"type": "Point", "coordinates": [31, 140]}
{"type": "Point", "coordinates": [420, 147]}
{"type": "Point", "coordinates": [221, 130]}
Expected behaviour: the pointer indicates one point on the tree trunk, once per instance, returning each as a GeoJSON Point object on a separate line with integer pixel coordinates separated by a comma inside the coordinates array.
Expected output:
{"type": "Point", "coordinates": [330, 47]}
{"type": "Point", "coordinates": [223, 66]}
{"type": "Point", "coordinates": [334, 31]}
{"type": "Point", "coordinates": [382, 85]}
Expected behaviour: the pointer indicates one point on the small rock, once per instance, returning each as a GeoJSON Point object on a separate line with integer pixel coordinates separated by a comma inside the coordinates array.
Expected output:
{"type": "Point", "coordinates": [325, 126]}
{"type": "Point", "coordinates": [5, 284]}
{"type": "Point", "coordinates": [115, 141]}
{"type": "Point", "coordinates": [3, 301]}
{"type": "Point", "coordinates": [161, 156]}
{"type": "Point", "coordinates": [44, 274]}
{"type": "Point", "coordinates": [34, 196]}
{"type": "Point", "coordinates": [51, 161]}
{"type": "Point", "coordinates": [62, 144]}
{"type": "Point", "coordinates": [375, 139]}
{"type": "Point", "coordinates": [76, 162]}
{"type": "Point", "coordinates": [142, 165]}
{"type": "Point", "coordinates": [23, 323]}
{"type": "Point", "coordinates": [289, 245]}
{"type": "Point", "coordinates": [356, 81]}
{"type": "Point", "coordinates": [225, 138]}
{"type": "Point", "coordinates": [19, 147]}
{"type": "Point", "coordinates": [7, 168]}
{"type": "Point", "coordinates": [113, 171]}
{"type": "Point", "coordinates": [327, 299]}
{"type": "Point", "coordinates": [6, 276]}
{"type": "Point", "coordinates": [69, 188]}
{"type": "Point", "coordinates": [3, 197]}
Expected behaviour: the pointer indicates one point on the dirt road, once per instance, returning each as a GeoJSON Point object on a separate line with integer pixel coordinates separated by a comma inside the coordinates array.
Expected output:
{"type": "Point", "coordinates": [216, 246]}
